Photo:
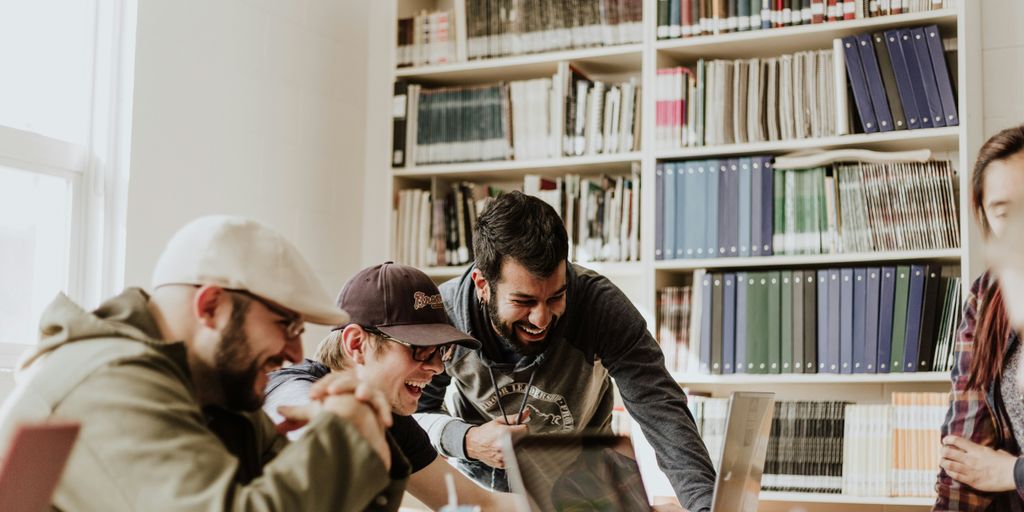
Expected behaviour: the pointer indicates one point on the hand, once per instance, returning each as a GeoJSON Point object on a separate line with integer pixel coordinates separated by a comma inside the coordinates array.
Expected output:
{"type": "Point", "coordinates": [483, 442]}
{"type": "Point", "coordinates": [346, 382]}
{"type": "Point", "coordinates": [978, 466]}
{"type": "Point", "coordinates": [356, 412]}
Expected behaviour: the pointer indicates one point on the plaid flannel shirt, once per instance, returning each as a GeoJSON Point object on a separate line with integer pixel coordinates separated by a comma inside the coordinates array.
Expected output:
{"type": "Point", "coordinates": [978, 416]}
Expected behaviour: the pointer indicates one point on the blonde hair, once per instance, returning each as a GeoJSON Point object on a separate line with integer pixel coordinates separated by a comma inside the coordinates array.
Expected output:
{"type": "Point", "coordinates": [331, 353]}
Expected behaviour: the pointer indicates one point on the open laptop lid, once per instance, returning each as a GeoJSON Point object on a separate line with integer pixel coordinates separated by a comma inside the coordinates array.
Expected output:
{"type": "Point", "coordinates": [748, 427]}
{"type": "Point", "coordinates": [33, 463]}
{"type": "Point", "coordinates": [574, 472]}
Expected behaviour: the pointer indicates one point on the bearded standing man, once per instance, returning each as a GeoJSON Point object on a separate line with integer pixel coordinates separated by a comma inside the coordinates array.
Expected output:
{"type": "Point", "coordinates": [167, 386]}
{"type": "Point", "coordinates": [553, 335]}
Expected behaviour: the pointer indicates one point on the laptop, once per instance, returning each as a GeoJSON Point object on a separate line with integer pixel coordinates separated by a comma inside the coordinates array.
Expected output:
{"type": "Point", "coordinates": [585, 472]}
{"type": "Point", "coordinates": [32, 465]}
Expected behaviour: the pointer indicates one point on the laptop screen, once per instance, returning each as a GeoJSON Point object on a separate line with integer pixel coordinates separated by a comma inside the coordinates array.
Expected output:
{"type": "Point", "coordinates": [572, 472]}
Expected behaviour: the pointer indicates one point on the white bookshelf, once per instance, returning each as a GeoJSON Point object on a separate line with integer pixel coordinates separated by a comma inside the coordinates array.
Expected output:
{"type": "Point", "coordinates": [641, 280]}
{"type": "Point", "coordinates": [840, 499]}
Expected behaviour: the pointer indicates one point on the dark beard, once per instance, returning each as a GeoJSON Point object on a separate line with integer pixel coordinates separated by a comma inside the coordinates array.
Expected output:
{"type": "Point", "coordinates": [236, 370]}
{"type": "Point", "coordinates": [508, 333]}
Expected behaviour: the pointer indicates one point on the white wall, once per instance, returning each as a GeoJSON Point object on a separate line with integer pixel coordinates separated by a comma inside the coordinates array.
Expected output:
{"type": "Point", "coordinates": [255, 108]}
{"type": "Point", "coordinates": [1003, 63]}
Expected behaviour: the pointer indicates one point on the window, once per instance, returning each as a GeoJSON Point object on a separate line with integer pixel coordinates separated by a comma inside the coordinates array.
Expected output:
{"type": "Point", "coordinates": [64, 108]}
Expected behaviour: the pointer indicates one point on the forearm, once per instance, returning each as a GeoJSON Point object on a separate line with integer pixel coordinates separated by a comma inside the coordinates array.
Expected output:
{"type": "Point", "coordinates": [447, 434]}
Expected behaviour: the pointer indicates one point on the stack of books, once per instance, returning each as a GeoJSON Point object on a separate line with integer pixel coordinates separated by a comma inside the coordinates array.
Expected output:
{"type": "Point", "coordinates": [601, 215]}
{"type": "Point", "coordinates": [876, 450]}
{"type": "Point", "coordinates": [568, 114]}
{"type": "Point", "coordinates": [426, 39]}
{"type": "Point", "coordinates": [838, 320]}
{"type": "Point", "coordinates": [690, 18]}
{"type": "Point", "coordinates": [743, 206]}
{"type": "Point", "coordinates": [749, 100]}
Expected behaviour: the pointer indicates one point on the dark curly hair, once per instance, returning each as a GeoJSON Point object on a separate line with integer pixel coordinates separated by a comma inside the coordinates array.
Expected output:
{"type": "Point", "coordinates": [522, 228]}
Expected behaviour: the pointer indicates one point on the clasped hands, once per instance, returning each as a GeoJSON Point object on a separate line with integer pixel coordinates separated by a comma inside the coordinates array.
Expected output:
{"type": "Point", "coordinates": [358, 403]}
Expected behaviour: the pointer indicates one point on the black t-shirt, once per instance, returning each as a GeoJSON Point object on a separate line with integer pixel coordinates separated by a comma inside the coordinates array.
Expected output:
{"type": "Point", "coordinates": [406, 433]}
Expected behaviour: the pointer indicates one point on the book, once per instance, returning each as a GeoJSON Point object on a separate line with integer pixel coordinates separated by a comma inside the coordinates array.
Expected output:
{"type": "Point", "coordinates": [899, 318]}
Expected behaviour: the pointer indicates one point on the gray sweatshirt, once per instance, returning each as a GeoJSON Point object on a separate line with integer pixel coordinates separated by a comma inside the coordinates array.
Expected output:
{"type": "Point", "coordinates": [600, 336]}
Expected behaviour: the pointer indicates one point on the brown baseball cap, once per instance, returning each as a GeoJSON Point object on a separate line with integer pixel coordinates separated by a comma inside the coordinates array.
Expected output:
{"type": "Point", "coordinates": [402, 302]}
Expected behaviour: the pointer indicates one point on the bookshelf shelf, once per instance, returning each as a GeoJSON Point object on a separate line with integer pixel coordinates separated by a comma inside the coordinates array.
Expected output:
{"type": "Point", "coordinates": [812, 378]}
{"type": "Point", "coordinates": [764, 43]}
{"type": "Point", "coordinates": [517, 168]}
{"type": "Point", "coordinates": [599, 60]}
{"type": "Point", "coordinates": [950, 255]}
{"type": "Point", "coordinates": [807, 497]}
{"type": "Point", "coordinates": [936, 139]}
{"type": "Point", "coordinates": [643, 281]}
{"type": "Point", "coordinates": [610, 269]}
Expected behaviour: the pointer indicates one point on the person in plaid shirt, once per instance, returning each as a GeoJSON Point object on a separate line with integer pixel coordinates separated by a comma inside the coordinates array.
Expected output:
{"type": "Point", "coordinates": [981, 467]}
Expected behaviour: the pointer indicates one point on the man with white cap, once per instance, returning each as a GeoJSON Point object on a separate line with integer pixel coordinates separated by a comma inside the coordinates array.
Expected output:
{"type": "Point", "coordinates": [167, 387]}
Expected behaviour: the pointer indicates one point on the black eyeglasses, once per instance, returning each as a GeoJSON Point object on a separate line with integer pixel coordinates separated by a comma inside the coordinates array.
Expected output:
{"type": "Point", "coordinates": [292, 323]}
{"type": "Point", "coordinates": [419, 354]}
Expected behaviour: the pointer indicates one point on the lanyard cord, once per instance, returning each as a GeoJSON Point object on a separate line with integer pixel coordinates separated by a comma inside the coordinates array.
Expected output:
{"type": "Point", "coordinates": [522, 405]}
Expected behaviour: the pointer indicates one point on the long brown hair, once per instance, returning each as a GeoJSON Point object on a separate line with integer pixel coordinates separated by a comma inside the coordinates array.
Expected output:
{"type": "Point", "coordinates": [992, 329]}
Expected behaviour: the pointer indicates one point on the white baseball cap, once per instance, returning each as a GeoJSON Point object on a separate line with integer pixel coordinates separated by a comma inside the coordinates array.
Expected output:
{"type": "Point", "coordinates": [241, 254]}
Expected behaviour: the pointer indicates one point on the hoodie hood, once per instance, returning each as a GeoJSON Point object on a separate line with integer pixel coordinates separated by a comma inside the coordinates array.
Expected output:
{"type": "Point", "coordinates": [124, 316]}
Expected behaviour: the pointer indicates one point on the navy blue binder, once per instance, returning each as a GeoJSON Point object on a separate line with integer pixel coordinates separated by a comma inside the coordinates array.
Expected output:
{"type": "Point", "coordinates": [846, 320]}
{"type": "Point", "coordinates": [834, 325]}
{"type": "Point", "coordinates": [887, 294]}
{"type": "Point", "coordinates": [915, 309]}
{"type": "Point", "coordinates": [931, 88]}
{"type": "Point", "coordinates": [942, 76]}
{"type": "Point", "coordinates": [745, 207]}
{"type": "Point", "coordinates": [659, 211]}
{"type": "Point", "coordinates": [717, 310]}
{"type": "Point", "coordinates": [823, 355]}
{"type": "Point", "coordinates": [876, 88]}
{"type": "Point", "coordinates": [684, 225]}
{"type": "Point", "coordinates": [874, 281]}
{"type": "Point", "coordinates": [810, 323]}
{"type": "Point", "coordinates": [711, 195]}
{"type": "Point", "coordinates": [859, 319]}
{"type": "Point", "coordinates": [740, 363]}
{"type": "Point", "coordinates": [728, 322]}
{"type": "Point", "coordinates": [861, 96]}
{"type": "Point", "coordinates": [755, 206]}
{"type": "Point", "coordinates": [916, 80]}
{"type": "Point", "coordinates": [705, 324]}
{"type": "Point", "coordinates": [934, 282]}
{"type": "Point", "coordinates": [903, 84]}
{"type": "Point", "coordinates": [767, 204]}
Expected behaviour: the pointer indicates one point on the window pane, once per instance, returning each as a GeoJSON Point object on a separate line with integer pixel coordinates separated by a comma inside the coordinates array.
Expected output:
{"type": "Point", "coordinates": [35, 240]}
{"type": "Point", "coordinates": [46, 53]}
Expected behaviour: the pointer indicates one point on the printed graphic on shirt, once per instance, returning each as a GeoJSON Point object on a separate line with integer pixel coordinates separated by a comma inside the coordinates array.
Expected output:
{"type": "Point", "coordinates": [548, 411]}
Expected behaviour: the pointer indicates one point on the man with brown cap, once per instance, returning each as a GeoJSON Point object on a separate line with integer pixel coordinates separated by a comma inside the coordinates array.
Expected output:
{"type": "Point", "coordinates": [397, 338]}
{"type": "Point", "coordinates": [167, 387]}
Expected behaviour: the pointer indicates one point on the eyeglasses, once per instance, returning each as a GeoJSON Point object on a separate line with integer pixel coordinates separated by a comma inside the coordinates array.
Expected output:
{"type": "Point", "coordinates": [292, 323]}
{"type": "Point", "coordinates": [419, 354]}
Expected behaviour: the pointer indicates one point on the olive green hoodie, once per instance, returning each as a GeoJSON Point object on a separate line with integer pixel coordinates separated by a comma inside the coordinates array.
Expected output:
{"type": "Point", "coordinates": [145, 442]}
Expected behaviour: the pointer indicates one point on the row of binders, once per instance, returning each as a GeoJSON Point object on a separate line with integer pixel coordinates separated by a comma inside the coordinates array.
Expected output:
{"type": "Point", "coordinates": [601, 215]}
{"type": "Point", "coordinates": [900, 79]}
{"type": "Point", "coordinates": [875, 450]}
{"type": "Point", "coordinates": [740, 207]}
{"type": "Point", "coordinates": [749, 100]}
{"type": "Point", "coordinates": [689, 18]}
{"type": "Point", "coordinates": [839, 320]}
{"type": "Point", "coordinates": [481, 29]}
{"type": "Point", "coordinates": [568, 114]}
